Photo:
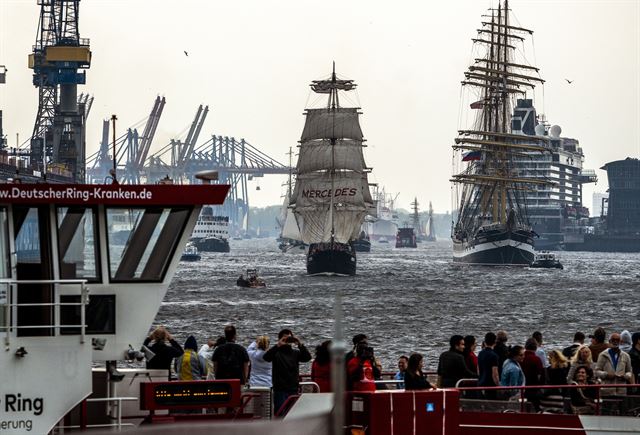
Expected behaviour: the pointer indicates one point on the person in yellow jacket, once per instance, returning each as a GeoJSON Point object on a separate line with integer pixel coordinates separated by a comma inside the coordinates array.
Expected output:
{"type": "Point", "coordinates": [190, 366]}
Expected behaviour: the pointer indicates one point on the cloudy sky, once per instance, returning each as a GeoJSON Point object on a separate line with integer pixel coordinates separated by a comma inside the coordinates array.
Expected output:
{"type": "Point", "coordinates": [251, 61]}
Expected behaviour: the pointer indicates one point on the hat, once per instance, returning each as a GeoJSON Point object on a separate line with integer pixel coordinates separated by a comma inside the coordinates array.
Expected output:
{"type": "Point", "coordinates": [191, 343]}
{"type": "Point", "coordinates": [599, 334]}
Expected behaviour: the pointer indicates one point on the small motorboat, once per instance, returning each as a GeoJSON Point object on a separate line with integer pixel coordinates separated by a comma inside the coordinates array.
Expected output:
{"type": "Point", "coordinates": [547, 260]}
{"type": "Point", "coordinates": [190, 253]}
{"type": "Point", "coordinates": [252, 280]}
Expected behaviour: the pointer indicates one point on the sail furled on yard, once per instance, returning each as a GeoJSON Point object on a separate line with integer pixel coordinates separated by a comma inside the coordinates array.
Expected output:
{"type": "Point", "coordinates": [331, 195]}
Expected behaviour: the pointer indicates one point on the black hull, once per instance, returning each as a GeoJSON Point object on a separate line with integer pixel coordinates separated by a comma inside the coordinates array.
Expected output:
{"type": "Point", "coordinates": [326, 260]}
{"type": "Point", "coordinates": [190, 257]}
{"type": "Point", "coordinates": [212, 244]}
{"type": "Point", "coordinates": [496, 249]}
{"type": "Point", "coordinates": [362, 245]}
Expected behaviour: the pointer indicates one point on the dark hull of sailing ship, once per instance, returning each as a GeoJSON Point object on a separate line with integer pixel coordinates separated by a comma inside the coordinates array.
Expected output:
{"type": "Point", "coordinates": [496, 248]}
{"type": "Point", "coordinates": [331, 259]}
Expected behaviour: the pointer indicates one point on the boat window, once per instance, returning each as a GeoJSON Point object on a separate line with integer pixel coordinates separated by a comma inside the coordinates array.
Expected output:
{"type": "Point", "coordinates": [100, 315]}
{"type": "Point", "coordinates": [77, 243]}
{"type": "Point", "coordinates": [33, 252]}
{"type": "Point", "coordinates": [5, 263]}
{"type": "Point", "coordinates": [142, 241]}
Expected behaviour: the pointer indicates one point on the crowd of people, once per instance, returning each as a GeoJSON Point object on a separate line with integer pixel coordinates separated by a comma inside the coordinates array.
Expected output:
{"type": "Point", "coordinates": [615, 361]}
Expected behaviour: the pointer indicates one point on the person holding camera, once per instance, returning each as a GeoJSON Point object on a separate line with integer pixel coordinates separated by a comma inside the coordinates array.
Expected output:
{"type": "Point", "coordinates": [285, 360]}
{"type": "Point", "coordinates": [164, 348]}
{"type": "Point", "coordinates": [362, 370]}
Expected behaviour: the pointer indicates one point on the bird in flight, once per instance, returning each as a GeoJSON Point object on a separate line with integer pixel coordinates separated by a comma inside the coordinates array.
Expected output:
{"type": "Point", "coordinates": [568, 81]}
{"type": "Point", "coordinates": [185, 53]}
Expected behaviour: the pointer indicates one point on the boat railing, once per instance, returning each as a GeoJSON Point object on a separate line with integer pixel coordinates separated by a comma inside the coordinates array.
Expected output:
{"type": "Point", "coordinates": [9, 307]}
{"type": "Point", "coordinates": [616, 399]}
{"type": "Point", "coordinates": [113, 402]}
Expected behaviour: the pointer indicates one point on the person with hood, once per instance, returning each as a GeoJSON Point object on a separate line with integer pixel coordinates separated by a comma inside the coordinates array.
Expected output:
{"type": "Point", "coordinates": [614, 366]}
{"type": "Point", "coordinates": [625, 341]}
{"type": "Point", "coordinates": [164, 347]}
{"type": "Point", "coordinates": [190, 366]}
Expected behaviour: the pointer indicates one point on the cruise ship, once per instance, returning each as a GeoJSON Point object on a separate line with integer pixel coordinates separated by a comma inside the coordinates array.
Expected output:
{"type": "Point", "coordinates": [555, 210]}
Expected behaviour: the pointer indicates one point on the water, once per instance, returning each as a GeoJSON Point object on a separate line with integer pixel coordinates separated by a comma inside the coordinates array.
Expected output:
{"type": "Point", "coordinates": [405, 300]}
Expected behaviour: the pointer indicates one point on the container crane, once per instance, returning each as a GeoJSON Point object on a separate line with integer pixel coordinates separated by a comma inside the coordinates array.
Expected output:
{"type": "Point", "coordinates": [59, 53]}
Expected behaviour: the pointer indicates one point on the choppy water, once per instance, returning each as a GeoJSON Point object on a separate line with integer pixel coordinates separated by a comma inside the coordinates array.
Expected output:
{"type": "Point", "coordinates": [404, 299]}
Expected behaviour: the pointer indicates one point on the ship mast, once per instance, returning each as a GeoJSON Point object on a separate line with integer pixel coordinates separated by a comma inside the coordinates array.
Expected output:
{"type": "Point", "coordinates": [491, 188]}
{"type": "Point", "coordinates": [333, 105]}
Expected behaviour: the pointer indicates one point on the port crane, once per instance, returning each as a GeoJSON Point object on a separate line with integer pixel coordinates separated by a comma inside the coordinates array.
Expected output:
{"type": "Point", "coordinates": [59, 60]}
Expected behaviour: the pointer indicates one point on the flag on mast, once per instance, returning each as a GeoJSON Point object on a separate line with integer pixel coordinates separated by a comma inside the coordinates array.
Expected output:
{"type": "Point", "coordinates": [477, 105]}
{"type": "Point", "coordinates": [471, 156]}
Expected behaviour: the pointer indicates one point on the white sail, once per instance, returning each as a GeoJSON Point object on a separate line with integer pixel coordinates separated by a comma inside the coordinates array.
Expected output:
{"type": "Point", "coordinates": [317, 155]}
{"type": "Point", "coordinates": [315, 190]}
{"type": "Point", "coordinates": [290, 228]}
{"type": "Point", "coordinates": [338, 123]}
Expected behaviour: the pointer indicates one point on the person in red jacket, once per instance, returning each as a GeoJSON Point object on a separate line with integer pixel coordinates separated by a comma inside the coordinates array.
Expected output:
{"type": "Point", "coordinates": [362, 369]}
{"type": "Point", "coordinates": [321, 367]}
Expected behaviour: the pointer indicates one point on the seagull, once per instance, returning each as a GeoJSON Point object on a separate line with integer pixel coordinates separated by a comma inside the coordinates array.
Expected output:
{"type": "Point", "coordinates": [185, 53]}
{"type": "Point", "coordinates": [568, 81]}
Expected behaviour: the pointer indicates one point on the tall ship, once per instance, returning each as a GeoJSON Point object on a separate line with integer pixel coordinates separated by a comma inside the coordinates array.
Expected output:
{"type": "Point", "coordinates": [430, 231]}
{"type": "Point", "coordinates": [384, 227]}
{"type": "Point", "coordinates": [493, 225]}
{"type": "Point", "coordinates": [331, 196]}
{"type": "Point", "coordinates": [289, 238]}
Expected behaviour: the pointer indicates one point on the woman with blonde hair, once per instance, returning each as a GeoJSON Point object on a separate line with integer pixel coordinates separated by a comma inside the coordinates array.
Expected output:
{"type": "Point", "coordinates": [164, 348]}
{"type": "Point", "coordinates": [582, 358]}
{"type": "Point", "coordinates": [260, 375]}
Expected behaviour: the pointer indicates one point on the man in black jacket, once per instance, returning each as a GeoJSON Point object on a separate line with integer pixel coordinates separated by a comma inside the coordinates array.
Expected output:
{"type": "Point", "coordinates": [285, 362]}
{"type": "Point", "coordinates": [451, 366]}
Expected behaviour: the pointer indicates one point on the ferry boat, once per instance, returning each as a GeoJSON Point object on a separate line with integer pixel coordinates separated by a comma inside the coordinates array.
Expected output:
{"type": "Point", "coordinates": [74, 299]}
{"type": "Point", "coordinates": [211, 233]}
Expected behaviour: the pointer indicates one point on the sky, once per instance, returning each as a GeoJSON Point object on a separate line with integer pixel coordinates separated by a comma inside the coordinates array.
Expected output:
{"type": "Point", "coordinates": [252, 61]}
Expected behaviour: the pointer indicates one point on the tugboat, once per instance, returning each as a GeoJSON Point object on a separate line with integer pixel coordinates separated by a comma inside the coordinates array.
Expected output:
{"type": "Point", "coordinates": [362, 243]}
{"type": "Point", "coordinates": [190, 253]}
{"type": "Point", "coordinates": [331, 196]}
{"type": "Point", "coordinates": [547, 260]}
{"type": "Point", "coordinates": [406, 238]}
{"type": "Point", "coordinates": [251, 281]}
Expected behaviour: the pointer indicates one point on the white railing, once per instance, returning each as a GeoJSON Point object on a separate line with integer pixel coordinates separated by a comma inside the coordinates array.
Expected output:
{"type": "Point", "coordinates": [11, 288]}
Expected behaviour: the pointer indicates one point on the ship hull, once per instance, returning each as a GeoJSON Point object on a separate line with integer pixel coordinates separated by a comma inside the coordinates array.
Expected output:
{"type": "Point", "coordinates": [331, 259]}
{"type": "Point", "coordinates": [212, 244]}
{"type": "Point", "coordinates": [503, 250]}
